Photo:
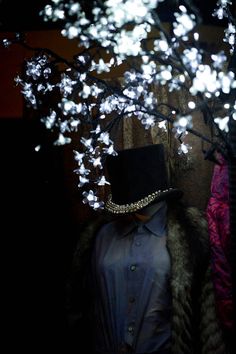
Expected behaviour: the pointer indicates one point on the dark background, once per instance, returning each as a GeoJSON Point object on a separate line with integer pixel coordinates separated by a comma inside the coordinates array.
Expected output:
{"type": "Point", "coordinates": [38, 237]}
{"type": "Point", "coordinates": [24, 14]}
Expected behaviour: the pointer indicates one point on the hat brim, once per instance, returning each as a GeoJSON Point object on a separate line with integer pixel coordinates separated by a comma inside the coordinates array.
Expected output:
{"type": "Point", "coordinates": [171, 193]}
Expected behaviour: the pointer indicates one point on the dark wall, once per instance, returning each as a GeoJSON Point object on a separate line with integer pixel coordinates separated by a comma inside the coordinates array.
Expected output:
{"type": "Point", "coordinates": [38, 236]}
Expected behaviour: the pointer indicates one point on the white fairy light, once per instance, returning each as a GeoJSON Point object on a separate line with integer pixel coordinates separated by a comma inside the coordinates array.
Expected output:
{"type": "Point", "coordinates": [27, 91]}
{"type": "Point", "coordinates": [230, 34]}
{"type": "Point", "coordinates": [87, 143]}
{"type": "Point", "coordinates": [148, 121]}
{"type": "Point", "coordinates": [84, 96]}
{"type": "Point", "coordinates": [74, 123]}
{"type": "Point", "coordinates": [86, 91]}
{"type": "Point", "coordinates": [184, 22]}
{"type": "Point", "coordinates": [62, 140]}
{"type": "Point", "coordinates": [127, 44]}
{"type": "Point", "coordinates": [222, 5]}
{"type": "Point", "coordinates": [184, 148]}
{"type": "Point", "coordinates": [219, 59]}
{"type": "Point", "coordinates": [205, 80]}
{"type": "Point", "coordinates": [101, 66]}
{"type": "Point", "coordinates": [92, 200]}
{"type": "Point", "coordinates": [97, 205]}
{"type": "Point", "coordinates": [64, 126]}
{"type": "Point", "coordinates": [41, 88]}
{"type": "Point", "coordinates": [96, 162]}
{"type": "Point", "coordinates": [78, 156]}
{"type": "Point", "coordinates": [192, 58]}
{"type": "Point", "coordinates": [97, 130]}
{"type": "Point", "coordinates": [89, 196]}
{"type": "Point", "coordinates": [67, 106]}
{"type": "Point", "coordinates": [165, 75]}
{"type": "Point", "coordinates": [226, 81]}
{"type": "Point", "coordinates": [48, 11]}
{"type": "Point", "coordinates": [72, 32]}
{"type": "Point", "coordinates": [59, 14]}
{"type": "Point", "coordinates": [82, 170]}
{"type": "Point", "coordinates": [222, 123]}
{"type": "Point", "coordinates": [50, 120]}
{"type": "Point", "coordinates": [102, 181]}
{"type": "Point", "coordinates": [82, 180]}
{"type": "Point", "coordinates": [161, 45]}
{"type": "Point", "coordinates": [18, 80]}
{"type": "Point", "coordinates": [182, 123]}
{"type": "Point", "coordinates": [182, 78]}
{"type": "Point", "coordinates": [110, 150]}
{"type": "Point", "coordinates": [66, 85]}
{"type": "Point", "coordinates": [74, 8]}
{"type": "Point", "coordinates": [47, 72]}
{"type": "Point", "coordinates": [191, 104]}
{"type": "Point", "coordinates": [104, 138]}
{"type": "Point", "coordinates": [163, 125]}
{"type": "Point", "coordinates": [106, 107]}
{"type": "Point", "coordinates": [6, 43]}
{"type": "Point", "coordinates": [131, 10]}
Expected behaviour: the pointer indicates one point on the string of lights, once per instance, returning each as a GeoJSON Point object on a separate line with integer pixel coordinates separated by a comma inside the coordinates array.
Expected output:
{"type": "Point", "coordinates": [130, 35]}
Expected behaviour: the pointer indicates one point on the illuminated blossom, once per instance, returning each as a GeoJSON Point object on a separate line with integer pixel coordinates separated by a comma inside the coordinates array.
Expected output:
{"type": "Point", "coordinates": [125, 56]}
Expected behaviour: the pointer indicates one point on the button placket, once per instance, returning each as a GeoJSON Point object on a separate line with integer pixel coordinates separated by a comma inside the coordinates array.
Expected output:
{"type": "Point", "coordinates": [133, 286]}
{"type": "Point", "coordinates": [131, 305]}
{"type": "Point", "coordinates": [131, 329]}
{"type": "Point", "coordinates": [138, 237]}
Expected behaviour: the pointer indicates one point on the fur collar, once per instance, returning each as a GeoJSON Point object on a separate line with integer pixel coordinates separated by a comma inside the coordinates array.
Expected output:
{"type": "Point", "coordinates": [187, 242]}
{"type": "Point", "coordinates": [184, 264]}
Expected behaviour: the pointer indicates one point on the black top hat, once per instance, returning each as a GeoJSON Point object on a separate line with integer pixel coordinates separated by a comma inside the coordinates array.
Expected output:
{"type": "Point", "coordinates": [138, 177]}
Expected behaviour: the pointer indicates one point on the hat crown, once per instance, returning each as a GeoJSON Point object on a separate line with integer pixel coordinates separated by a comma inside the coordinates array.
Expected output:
{"type": "Point", "coordinates": [136, 173]}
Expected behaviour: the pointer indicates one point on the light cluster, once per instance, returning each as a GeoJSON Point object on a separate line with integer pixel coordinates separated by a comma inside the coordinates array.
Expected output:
{"type": "Point", "coordinates": [222, 11]}
{"type": "Point", "coordinates": [131, 35]}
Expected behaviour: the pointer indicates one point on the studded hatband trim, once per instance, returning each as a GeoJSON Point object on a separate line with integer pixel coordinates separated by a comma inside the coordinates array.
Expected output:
{"type": "Point", "coordinates": [132, 207]}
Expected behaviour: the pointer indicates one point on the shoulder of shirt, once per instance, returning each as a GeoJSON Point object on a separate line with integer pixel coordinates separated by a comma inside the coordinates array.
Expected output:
{"type": "Point", "coordinates": [109, 224]}
{"type": "Point", "coordinates": [88, 232]}
{"type": "Point", "coordinates": [97, 224]}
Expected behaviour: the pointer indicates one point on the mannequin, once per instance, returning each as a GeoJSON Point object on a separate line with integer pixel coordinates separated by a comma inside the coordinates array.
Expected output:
{"type": "Point", "coordinates": [147, 268]}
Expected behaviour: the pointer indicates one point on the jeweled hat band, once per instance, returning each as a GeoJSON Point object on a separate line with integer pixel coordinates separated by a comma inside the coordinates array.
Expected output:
{"type": "Point", "coordinates": [132, 207]}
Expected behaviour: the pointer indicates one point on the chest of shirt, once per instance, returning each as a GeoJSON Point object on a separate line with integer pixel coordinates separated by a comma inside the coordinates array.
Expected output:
{"type": "Point", "coordinates": [133, 256]}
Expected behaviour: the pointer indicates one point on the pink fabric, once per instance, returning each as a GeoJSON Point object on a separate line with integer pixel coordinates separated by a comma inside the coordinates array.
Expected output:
{"type": "Point", "coordinates": [219, 232]}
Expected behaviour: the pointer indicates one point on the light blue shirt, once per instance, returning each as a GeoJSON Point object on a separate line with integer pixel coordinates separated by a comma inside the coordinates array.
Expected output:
{"type": "Point", "coordinates": [131, 280]}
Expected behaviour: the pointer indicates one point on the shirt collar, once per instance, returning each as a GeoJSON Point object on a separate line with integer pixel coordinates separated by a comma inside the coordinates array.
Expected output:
{"type": "Point", "coordinates": [156, 225]}
{"type": "Point", "coordinates": [125, 225]}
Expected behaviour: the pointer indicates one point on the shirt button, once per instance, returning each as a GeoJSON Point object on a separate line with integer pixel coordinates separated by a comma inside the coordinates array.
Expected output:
{"type": "Point", "coordinates": [138, 243]}
{"type": "Point", "coordinates": [132, 299]}
{"type": "Point", "coordinates": [133, 267]}
{"type": "Point", "coordinates": [131, 329]}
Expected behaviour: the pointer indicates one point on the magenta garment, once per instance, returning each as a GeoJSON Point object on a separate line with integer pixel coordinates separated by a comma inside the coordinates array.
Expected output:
{"type": "Point", "coordinates": [219, 232]}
